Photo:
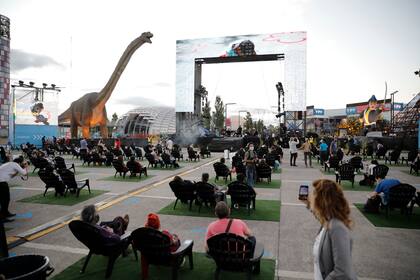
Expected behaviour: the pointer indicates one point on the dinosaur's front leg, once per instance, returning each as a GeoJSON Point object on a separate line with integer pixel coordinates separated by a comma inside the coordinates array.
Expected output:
{"type": "Point", "coordinates": [85, 132]}
{"type": "Point", "coordinates": [73, 130]}
{"type": "Point", "coordinates": [104, 131]}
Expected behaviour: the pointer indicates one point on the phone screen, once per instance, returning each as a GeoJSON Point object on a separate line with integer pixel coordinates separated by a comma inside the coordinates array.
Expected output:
{"type": "Point", "coordinates": [303, 192]}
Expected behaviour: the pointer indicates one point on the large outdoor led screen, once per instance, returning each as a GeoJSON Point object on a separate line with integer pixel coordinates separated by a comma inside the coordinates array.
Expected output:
{"type": "Point", "coordinates": [36, 109]}
{"type": "Point", "coordinates": [291, 44]}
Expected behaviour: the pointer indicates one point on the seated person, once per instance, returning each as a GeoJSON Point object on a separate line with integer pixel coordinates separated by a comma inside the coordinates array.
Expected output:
{"type": "Point", "coordinates": [153, 222]}
{"type": "Point", "coordinates": [382, 188]}
{"type": "Point", "coordinates": [167, 157]}
{"type": "Point", "coordinates": [219, 195]}
{"type": "Point", "coordinates": [120, 160]}
{"type": "Point", "coordinates": [223, 167]}
{"type": "Point", "coordinates": [240, 183]}
{"type": "Point", "coordinates": [369, 178]}
{"type": "Point", "coordinates": [191, 152]}
{"type": "Point", "coordinates": [237, 226]}
{"type": "Point", "coordinates": [135, 167]}
{"type": "Point", "coordinates": [156, 156]}
{"type": "Point", "coordinates": [110, 231]}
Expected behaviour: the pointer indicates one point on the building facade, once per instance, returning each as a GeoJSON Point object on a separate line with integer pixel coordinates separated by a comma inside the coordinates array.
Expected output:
{"type": "Point", "coordinates": [144, 121]}
{"type": "Point", "coordinates": [4, 78]}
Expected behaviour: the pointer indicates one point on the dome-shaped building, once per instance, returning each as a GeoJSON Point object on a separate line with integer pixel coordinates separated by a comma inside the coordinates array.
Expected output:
{"type": "Point", "coordinates": [155, 120]}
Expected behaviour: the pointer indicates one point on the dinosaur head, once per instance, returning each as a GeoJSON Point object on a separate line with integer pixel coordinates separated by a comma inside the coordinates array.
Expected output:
{"type": "Point", "coordinates": [146, 37]}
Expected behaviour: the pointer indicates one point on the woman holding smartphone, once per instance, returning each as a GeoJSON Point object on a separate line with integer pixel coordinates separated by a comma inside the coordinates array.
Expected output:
{"type": "Point", "coordinates": [333, 245]}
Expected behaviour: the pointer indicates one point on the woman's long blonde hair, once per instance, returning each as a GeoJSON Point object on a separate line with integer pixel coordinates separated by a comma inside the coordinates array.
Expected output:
{"type": "Point", "coordinates": [329, 202]}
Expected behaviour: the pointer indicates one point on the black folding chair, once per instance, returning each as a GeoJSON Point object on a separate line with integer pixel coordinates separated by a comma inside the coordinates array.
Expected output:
{"type": "Point", "coordinates": [154, 247]}
{"type": "Point", "coordinates": [235, 253]}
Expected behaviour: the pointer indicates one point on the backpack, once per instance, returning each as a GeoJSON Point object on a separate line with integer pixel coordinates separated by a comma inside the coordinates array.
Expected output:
{"type": "Point", "coordinates": [372, 205]}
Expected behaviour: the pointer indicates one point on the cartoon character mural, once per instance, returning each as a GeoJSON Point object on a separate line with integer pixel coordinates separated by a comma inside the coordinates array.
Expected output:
{"type": "Point", "coordinates": [372, 113]}
{"type": "Point", "coordinates": [36, 110]}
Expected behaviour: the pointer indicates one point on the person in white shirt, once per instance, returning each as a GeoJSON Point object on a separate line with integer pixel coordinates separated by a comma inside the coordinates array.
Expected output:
{"type": "Point", "coordinates": [293, 150]}
{"type": "Point", "coordinates": [8, 171]}
{"type": "Point", "coordinates": [169, 145]}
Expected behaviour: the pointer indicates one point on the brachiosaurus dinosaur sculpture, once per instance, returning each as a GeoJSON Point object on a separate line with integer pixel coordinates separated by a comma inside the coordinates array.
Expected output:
{"type": "Point", "coordinates": [89, 110]}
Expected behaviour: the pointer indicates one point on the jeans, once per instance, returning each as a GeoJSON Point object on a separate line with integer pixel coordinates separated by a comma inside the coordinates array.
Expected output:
{"type": "Point", "coordinates": [4, 199]}
{"type": "Point", "coordinates": [276, 165]}
{"type": "Point", "coordinates": [250, 174]}
{"type": "Point", "coordinates": [323, 156]}
{"type": "Point", "coordinates": [306, 155]}
{"type": "Point", "coordinates": [293, 157]}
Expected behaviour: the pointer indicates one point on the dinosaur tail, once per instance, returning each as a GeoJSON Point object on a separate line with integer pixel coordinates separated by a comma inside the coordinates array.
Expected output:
{"type": "Point", "coordinates": [65, 116]}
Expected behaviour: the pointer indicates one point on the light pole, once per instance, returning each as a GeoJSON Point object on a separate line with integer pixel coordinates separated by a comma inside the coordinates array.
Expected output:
{"type": "Point", "coordinates": [226, 112]}
{"type": "Point", "coordinates": [392, 109]}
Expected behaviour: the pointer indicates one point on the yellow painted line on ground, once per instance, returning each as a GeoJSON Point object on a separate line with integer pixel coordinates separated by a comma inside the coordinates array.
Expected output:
{"type": "Point", "coordinates": [104, 206]}
{"type": "Point", "coordinates": [11, 239]}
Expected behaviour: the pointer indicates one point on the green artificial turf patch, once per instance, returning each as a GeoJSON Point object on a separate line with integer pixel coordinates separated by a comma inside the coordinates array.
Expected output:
{"type": "Point", "coordinates": [127, 178]}
{"type": "Point", "coordinates": [346, 185]}
{"type": "Point", "coordinates": [266, 210]}
{"type": "Point", "coordinates": [129, 268]}
{"type": "Point", "coordinates": [395, 218]}
{"type": "Point", "coordinates": [68, 200]}
{"type": "Point", "coordinates": [274, 184]}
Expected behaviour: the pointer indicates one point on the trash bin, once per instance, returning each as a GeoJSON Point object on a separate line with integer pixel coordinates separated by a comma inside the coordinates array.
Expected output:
{"type": "Point", "coordinates": [26, 267]}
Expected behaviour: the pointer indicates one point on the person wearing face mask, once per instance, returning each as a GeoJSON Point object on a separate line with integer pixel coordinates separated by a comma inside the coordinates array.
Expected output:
{"type": "Point", "coordinates": [250, 160]}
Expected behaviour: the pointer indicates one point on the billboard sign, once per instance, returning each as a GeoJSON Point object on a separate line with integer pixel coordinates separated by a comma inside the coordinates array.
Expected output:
{"type": "Point", "coordinates": [291, 44]}
{"type": "Point", "coordinates": [319, 112]}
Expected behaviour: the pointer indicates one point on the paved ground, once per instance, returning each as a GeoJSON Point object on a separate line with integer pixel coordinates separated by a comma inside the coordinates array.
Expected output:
{"type": "Point", "coordinates": [378, 253]}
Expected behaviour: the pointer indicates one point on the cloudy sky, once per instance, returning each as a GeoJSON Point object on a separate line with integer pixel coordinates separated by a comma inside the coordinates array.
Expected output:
{"type": "Point", "coordinates": [353, 46]}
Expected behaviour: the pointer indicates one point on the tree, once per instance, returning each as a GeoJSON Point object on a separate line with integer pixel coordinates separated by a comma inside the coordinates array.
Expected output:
{"type": "Point", "coordinates": [248, 124]}
{"type": "Point", "coordinates": [259, 126]}
{"type": "Point", "coordinates": [206, 115]}
{"type": "Point", "coordinates": [114, 117]}
{"type": "Point", "coordinates": [219, 114]}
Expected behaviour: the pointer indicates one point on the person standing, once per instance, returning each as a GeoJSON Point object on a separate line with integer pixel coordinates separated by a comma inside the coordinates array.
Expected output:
{"type": "Point", "coordinates": [333, 147]}
{"type": "Point", "coordinates": [306, 147]}
{"type": "Point", "coordinates": [293, 150]}
{"type": "Point", "coordinates": [333, 244]}
{"type": "Point", "coordinates": [250, 160]}
{"type": "Point", "coordinates": [323, 152]}
{"type": "Point", "coordinates": [7, 172]}
{"type": "Point", "coordinates": [169, 144]}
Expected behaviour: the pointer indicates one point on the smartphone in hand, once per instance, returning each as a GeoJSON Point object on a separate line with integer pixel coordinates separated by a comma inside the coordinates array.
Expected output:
{"type": "Point", "coordinates": [303, 192]}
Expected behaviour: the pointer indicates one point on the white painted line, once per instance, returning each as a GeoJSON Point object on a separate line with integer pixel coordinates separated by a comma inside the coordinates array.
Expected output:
{"type": "Point", "coordinates": [297, 181]}
{"type": "Point", "coordinates": [155, 196]}
{"type": "Point", "coordinates": [302, 204]}
{"type": "Point", "coordinates": [307, 275]}
{"type": "Point", "coordinates": [29, 189]}
{"type": "Point", "coordinates": [57, 248]}
{"type": "Point", "coordinates": [112, 193]}
{"type": "Point", "coordinates": [295, 274]}
{"type": "Point", "coordinates": [292, 204]}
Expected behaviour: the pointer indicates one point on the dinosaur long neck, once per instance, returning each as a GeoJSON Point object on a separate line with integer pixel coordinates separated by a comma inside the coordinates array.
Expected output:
{"type": "Point", "coordinates": [106, 92]}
